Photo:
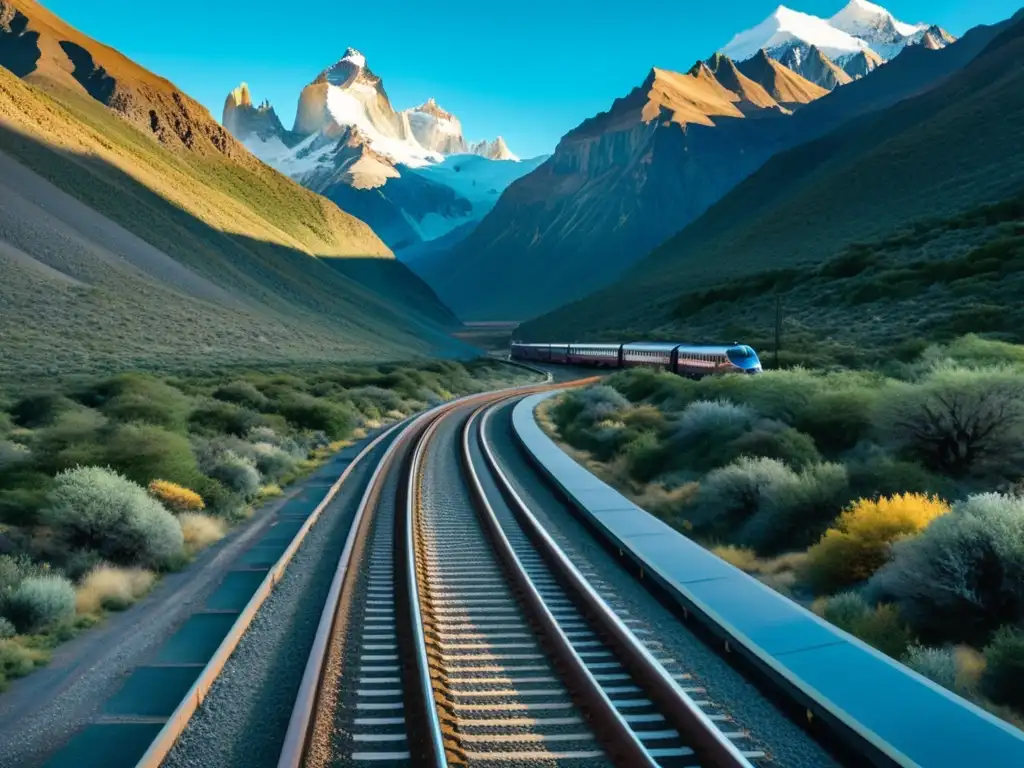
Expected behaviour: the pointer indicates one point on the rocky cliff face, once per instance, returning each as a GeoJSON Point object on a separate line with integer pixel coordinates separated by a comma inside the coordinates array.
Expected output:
{"type": "Point", "coordinates": [816, 67]}
{"type": "Point", "coordinates": [243, 119]}
{"type": "Point", "coordinates": [782, 84]}
{"type": "Point", "coordinates": [616, 186]}
{"type": "Point", "coordinates": [493, 150]}
{"type": "Point", "coordinates": [351, 145]}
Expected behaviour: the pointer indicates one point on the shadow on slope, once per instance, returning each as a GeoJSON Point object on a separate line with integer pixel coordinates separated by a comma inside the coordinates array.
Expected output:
{"type": "Point", "coordinates": [233, 300]}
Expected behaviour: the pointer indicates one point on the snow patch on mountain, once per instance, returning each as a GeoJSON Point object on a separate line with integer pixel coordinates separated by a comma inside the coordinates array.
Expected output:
{"type": "Point", "coordinates": [348, 109]}
{"type": "Point", "coordinates": [478, 179]}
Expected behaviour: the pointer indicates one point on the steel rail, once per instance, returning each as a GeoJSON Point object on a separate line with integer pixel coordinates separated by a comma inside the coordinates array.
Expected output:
{"type": "Point", "coordinates": [298, 734]}
{"type": "Point", "coordinates": [302, 720]}
{"type": "Point", "coordinates": [703, 736]}
{"type": "Point", "coordinates": [433, 738]}
{"type": "Point", "coordinates": [620, 741]}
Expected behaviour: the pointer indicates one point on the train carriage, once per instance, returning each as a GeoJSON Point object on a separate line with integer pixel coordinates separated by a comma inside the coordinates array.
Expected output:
{"type": "Point", "coordinates": [600, 355]}
{"type": "Point", "coordinates": [694, 361]}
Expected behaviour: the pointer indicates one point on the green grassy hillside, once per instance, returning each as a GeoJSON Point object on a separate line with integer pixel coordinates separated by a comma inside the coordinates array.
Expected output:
{"type": "Point", "coordinates": [123, 248]}
{"type": "Point", "coordinates": [890, 200]}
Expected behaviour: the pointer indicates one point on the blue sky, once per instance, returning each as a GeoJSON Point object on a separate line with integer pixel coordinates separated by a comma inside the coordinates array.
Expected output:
{"type": "Point", "coordinates": [529, 70]}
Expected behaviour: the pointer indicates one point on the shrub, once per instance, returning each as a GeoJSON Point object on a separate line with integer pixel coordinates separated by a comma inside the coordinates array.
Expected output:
{"type": "Point", "coordinates": [961, 421]}
{"type": "Point", "coordinates": [242, 393]}
{"type": "Point", "coordinates": [237, 473]}
{"type": "Point", "coordinates": [97, 509]}
{"type": "Point", "coordinates": [12, 455]}
{"type": "Point", "coordinates": [214, 417]}
{"type": "Point", "coordinates": [1003, 678]}
{"type": "Point", "coordinates": [40, 410]}
{"type": "Point", "coordinates": [874, 472]}
{"type": "Point", "coordinates": [730, 496]}
{"type": "Point", "coordinates": [860, 541]}
{"type": "Point", "coordinates": [796, 510]}
{"type": "Point", "coordinates": [20, 505]}
{"type": "Point", "coordinates": [7, 629]}
{"type": "Point", "coordinates": [272, 462]}
{"type": "Point", "coordinates": [963, 576]}
{"type": "Point", "coordinates": [781, 395]}
{"type": "Point", "coordinates": [376, 401]}
{"type": "Point", "coordinates": [774, 440]}
{"type": "Point", "coordinates": [645, 457]}
{"type": "Point", "coordinates": [220, 500]}
{"type": "Point", "coordinates": [39, 602]}
{"type": "Point", "coordinates": [134, 397]}
{"type": "Point", "coordinates": [588, 419]}
{"type": "Point", "coordinates": [308, 412]}
{"type": "Point", "coordinates": [15, 569]}
{"type": "Point", "coordinates": [113, 589]}
{"type": "Point", "coordinates": [17, 661]}
{"type": "Point", "coordinates": [719, 418]}
{"type": "Point", "coordinates": [644, 418]}
{"type": "Point", "coordinates": [269, 492]}
{"type": "Point", "coordinates": [702, 439]}
{"type": "Point", "coordinates": [75, 438]}
{"type": "Point", "coordinates": [838, 420]}
{"type": "Point", "coordinates": [143, 453]}
{"type": "Point", "coordinates": [200, 531]}
{"type": "Point", "coordinates": [176, 497]}
{"type": "Point", "coordinates": [879, 626]}
{"type": "Point", "coordinates": [937, 664]}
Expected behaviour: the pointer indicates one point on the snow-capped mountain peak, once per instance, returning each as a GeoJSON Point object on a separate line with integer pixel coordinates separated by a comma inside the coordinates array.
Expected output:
{"type": "Point", "coordinates": [349, 143]}
{"type": "Point", "coordinates": [785, 28]}
{"type": "Point", "coordinates": [436, 129]}
{"type": "Point", "coordinates": [354, 57]}
{"type": "Point", "coordinates": [861, 31]}
{"type": "Point", "coordinates": [493, 150]}
{"type": "Point", "coordinates": [861, 18]}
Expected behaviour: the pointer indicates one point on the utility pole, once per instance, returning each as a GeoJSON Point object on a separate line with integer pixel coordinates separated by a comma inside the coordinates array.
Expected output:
{"type": "Point", "coordinates": [778, 327]}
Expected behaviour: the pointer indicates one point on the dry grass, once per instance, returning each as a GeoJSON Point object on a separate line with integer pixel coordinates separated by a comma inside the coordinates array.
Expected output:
{"type": "Point", "coordinates": [970, 665]}
{"type": "Point", "coordinates": [271, 491]}
{"type": "Point", "coordinates": [742, 557]}
{"type": "Point", "coordinates": [107, 587]}
{"type": "Point", "coordinates": [200, 531]}
{"type": "Point", "coordinates": [780, 573]}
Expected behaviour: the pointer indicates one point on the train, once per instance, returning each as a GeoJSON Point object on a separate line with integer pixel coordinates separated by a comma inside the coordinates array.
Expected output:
{"type": "Point", "coordinates": [692, 361]}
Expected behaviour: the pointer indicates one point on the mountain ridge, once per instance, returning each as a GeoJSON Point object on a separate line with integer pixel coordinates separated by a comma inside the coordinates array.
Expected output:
{"type": "Point", "coordinates": [858, 38]}
{"type": "Point", "coordinates": [618, 183]}
{"type": "Point", "coordinates": [879, 170]}
{"type": "Point", "coordinates": [576, 224]}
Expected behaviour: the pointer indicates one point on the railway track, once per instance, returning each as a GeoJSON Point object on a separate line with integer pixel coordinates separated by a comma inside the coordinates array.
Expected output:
{"type": "Point", "coordinates": [457, 633]}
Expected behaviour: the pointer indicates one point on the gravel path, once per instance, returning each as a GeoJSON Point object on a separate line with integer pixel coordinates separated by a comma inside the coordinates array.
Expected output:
{"type": "Point", "coordinates": [783, 740]}
{"type": "Point", "coordinates": [244, 718]}
{"type": "Point", "coordinates": [39, 713]}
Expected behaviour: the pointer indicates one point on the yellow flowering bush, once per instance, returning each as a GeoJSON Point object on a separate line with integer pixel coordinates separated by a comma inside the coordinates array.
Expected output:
{"type": "Point", "coordinates": [859, 542]}
{"type": "Point", "coordinates": [176, 497]}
